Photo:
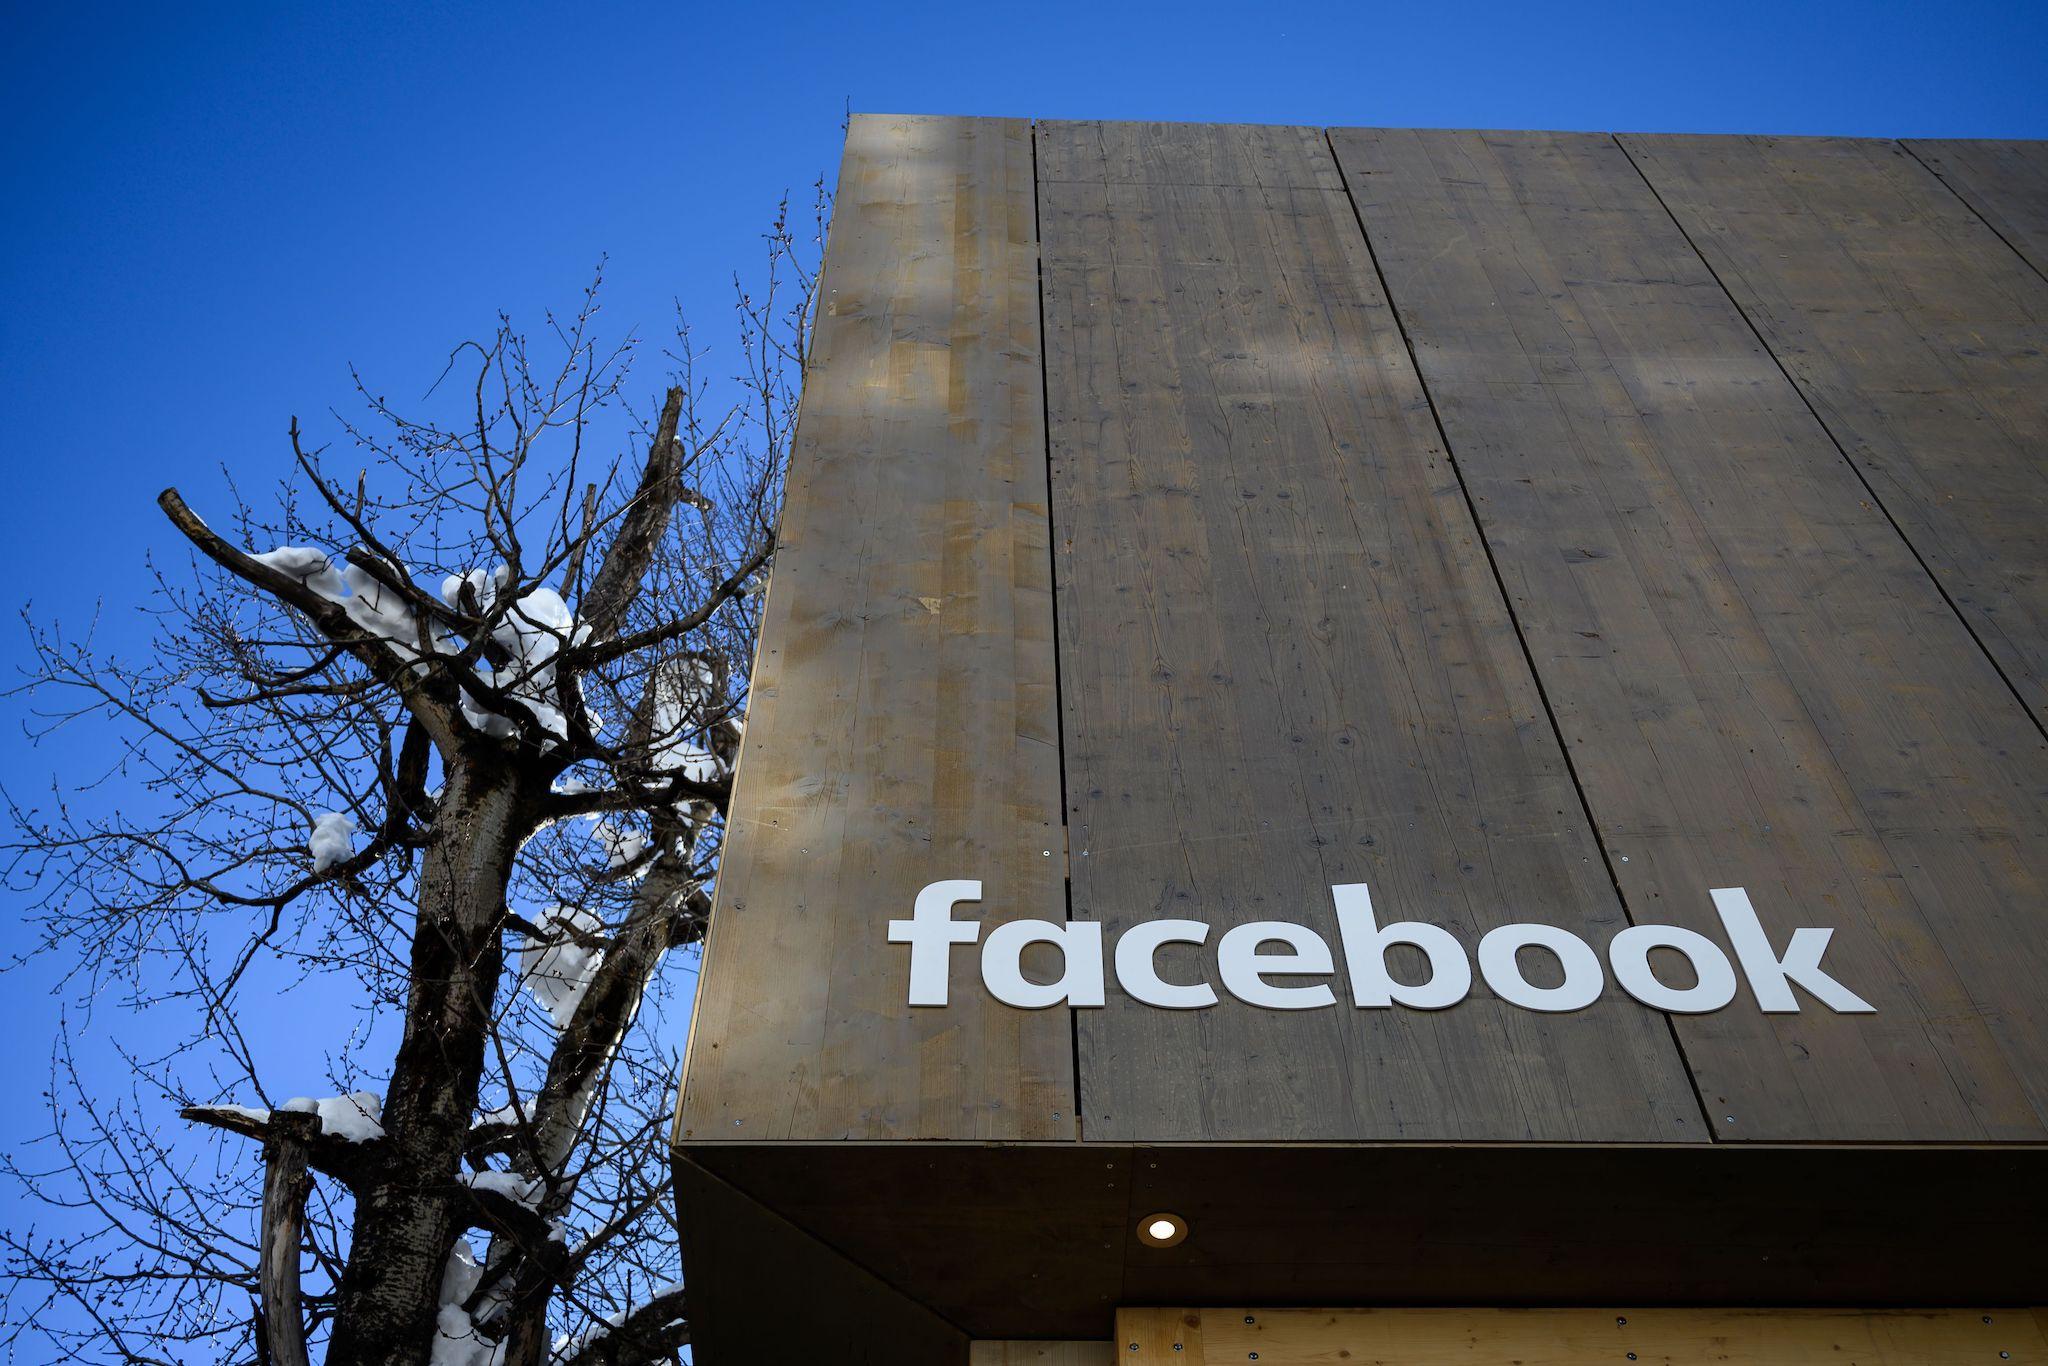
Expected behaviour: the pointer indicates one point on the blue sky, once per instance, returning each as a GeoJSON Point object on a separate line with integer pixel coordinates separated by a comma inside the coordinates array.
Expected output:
{"type": "Point", "coordinates": [206, 217]}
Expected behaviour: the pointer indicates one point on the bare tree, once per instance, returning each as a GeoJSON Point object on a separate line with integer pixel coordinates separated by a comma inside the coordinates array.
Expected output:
{"type": "Point", "coordinates": [453, 723]}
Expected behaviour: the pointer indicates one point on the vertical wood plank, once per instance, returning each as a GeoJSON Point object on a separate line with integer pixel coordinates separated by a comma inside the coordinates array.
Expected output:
{"type": "Point", "coordinates": [1286, 665]}
{"type": "Point", "coordinates": [903, 725]}
{"type": "Point", "coordinates": [1758, 684]}
{"type": "Point", "coordinates": [2005, 181]}
{"type": "Point", "coordinates": [1920, 339]}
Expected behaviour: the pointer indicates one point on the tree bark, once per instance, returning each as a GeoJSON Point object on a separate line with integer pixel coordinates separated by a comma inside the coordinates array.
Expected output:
{"type": "Point", "coordinates": [410, 1212]}
{"type": "Point", "coordinates": [286, 1153]}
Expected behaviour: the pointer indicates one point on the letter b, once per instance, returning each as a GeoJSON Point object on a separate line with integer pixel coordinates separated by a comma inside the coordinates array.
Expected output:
{"type": "Point", "coordinates": [1365, 954]}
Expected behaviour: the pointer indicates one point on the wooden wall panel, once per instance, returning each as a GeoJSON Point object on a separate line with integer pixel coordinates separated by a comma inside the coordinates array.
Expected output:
{"type": "Point", "coordinates": [2005, 182]}
{"type": "Point", "coordinates": [1285, 664]}
{"type": "Point", "coordinates": [1017, 1352]}
{"type": "Point", "coordinates": [1757, 683]}
{"type": "Point", "coordinates": [1572, 1337]}
{"type": "Point", "coordinates": [903, 726]}
{"type": "Point", "coordinates": [1919, 337]}
{"type": "Point", "coordinates": [763, 1290]}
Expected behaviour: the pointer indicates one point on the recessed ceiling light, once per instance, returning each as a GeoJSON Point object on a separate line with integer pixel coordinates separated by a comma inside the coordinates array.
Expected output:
{"type": "Point", "coordinates": [1162, 1230]}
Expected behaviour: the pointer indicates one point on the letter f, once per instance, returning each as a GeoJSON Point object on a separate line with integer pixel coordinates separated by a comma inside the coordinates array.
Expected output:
{"type": "Point", "coordinates": [931, 932]}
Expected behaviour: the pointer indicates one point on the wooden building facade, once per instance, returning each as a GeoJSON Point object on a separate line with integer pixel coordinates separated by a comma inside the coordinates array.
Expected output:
{"type": "Point", "coordinates": [1537, 529]}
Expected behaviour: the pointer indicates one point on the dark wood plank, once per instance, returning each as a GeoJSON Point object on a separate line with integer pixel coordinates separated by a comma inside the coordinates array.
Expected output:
{"type": "Point", "coordinates": [1917, 335]}
{"type": "Point", "coordinates": [1041, 1241]}
{"type": "Point", "coordinates": [1005, 1241]}
{"type": "Point", "coordinates": [1757, 683]}
{"type": "Point", "coordinates": [1285, 665]}
{"type": "Point", "coordinates": [903, 725]}
{"type": "Point", "coordinates": [1249, 155]}
{"type": "Point", "coordinates": [763, 1290]}
{"type": "Point", "coordinates": [2005, 181]}
{"type": "Point", "coordinates": [1025, 1352]}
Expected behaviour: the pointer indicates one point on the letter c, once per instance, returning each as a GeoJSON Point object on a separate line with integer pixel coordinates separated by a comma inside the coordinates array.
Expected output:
{"type": "Point", "coordinates": [1138, 972]}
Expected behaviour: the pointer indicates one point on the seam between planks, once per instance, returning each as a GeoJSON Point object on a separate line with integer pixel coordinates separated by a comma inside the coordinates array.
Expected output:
{"type": "Point", "coordinates": [1052, 555]}
{"type": "Point", "coordinates": [1508, 605]}
{"type": "Point", "coordinates": [1975, 212]}
{"type": "Point", "coordinates": [1876, 499]}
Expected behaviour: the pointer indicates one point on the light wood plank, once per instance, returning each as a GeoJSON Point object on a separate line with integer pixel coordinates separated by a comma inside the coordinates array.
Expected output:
{"type": "Point", "coordinates": [1919, 338]}
{"type": "Point", "coordinates": [2005, 181]}
{"type": "Point", "coordinates": [1758, 684]}
{"type": "Point", "coordinates": [1286, 665]}
{"type": "Point", "coordinates": [903, 726]}
{"type": "Point", "coordinates": [1573, 1337]}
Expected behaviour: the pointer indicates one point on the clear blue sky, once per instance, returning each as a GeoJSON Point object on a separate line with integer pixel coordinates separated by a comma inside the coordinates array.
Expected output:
{"type": "Point", "coordinates": [205, 217]}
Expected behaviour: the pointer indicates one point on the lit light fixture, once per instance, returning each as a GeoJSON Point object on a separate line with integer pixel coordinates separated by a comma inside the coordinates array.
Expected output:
{"type": "Point", "coordinates": [1162, 1230]}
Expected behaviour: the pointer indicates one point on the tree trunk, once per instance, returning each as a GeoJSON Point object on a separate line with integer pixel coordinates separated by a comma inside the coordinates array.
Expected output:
{"type": "Point", "coordinates": [285, 1154]}
{"type": "Point", "coordinates": [409, 1214]}
{"type": "Point", "coordinates": [580, 1058]}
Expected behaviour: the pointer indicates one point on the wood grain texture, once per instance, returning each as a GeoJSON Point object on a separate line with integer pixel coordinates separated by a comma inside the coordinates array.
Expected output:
{"type": "Point", "coordinates": [1244, 155]}
{"type": "Point", "coordinates": [2005, 181]}
{"type": "Point", "coordinates": [903, 725]}
{"type": "Point", "coordinates": [1919, 337]}
{"type": "Point", "coordinates": [1572, 1337]}
{"type": "Point", "coordinates": [1285, 665]}
{"type": "Point", "coordinates": [1758, 684]}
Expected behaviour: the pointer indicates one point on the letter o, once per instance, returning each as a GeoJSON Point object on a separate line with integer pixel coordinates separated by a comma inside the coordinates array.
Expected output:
{"type": "Point", "coordinates": [1630, 955]}
{"type": "Point", "coordinates": [1582, 975]}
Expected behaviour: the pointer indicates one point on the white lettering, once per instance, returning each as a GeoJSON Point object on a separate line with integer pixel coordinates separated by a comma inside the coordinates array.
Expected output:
{"type": "Point", "coordinates": [1630, 955]}
{"type": "Point", "coordinates": [1244, 969]}
{"type": "Point", "coordinates": [1080, 946]}
{"type": "Point", "coordinates": [1772, 977]}
{"type": "Point", "coordinates": [1137, 969]}
{"type": "Point", "coordinates": [1365, 955]}
{"type": "Point", "coordinates": [1502, 969]}
{"type": "Point", "coordinates": [931, 932]}
{"type": "Point", "coordinates": [1246, 973]}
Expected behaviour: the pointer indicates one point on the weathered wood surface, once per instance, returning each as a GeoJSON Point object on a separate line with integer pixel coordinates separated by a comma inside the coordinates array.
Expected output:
{"type": "Point", "coordinates": [903, 726]}
{"type": "Point", "coordinates": [1919, 337]}
{"type": "Point", "coordinates": [1285, 664]}
{"type": "Point", "coordinates": [1572, 1337]}
{"type": "Point", "coordinates": [1758, 684]}
{"type": "Point", "coordinates": [2006, 182]}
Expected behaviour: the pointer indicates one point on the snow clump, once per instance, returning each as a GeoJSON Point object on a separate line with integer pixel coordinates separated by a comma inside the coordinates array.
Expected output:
{"type": "Point", "coordinates": [332, 841]}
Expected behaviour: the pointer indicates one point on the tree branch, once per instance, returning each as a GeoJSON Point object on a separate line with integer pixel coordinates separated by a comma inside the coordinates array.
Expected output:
{"type": "Point", "coordinates": [649, 1334]}
{"type": "Point", "coordinates": [286, 1153]}
{"type": "Point", "coordinates": [618, 579]}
